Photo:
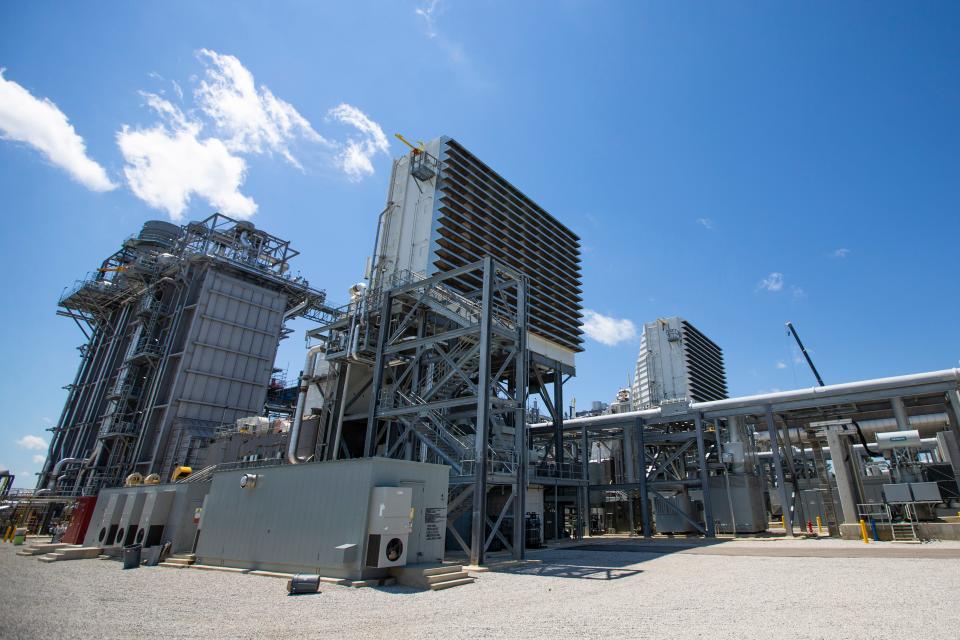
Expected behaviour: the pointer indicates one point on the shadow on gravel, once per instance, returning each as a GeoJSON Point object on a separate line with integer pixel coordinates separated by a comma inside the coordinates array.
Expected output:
{"type": "Point", "coordinates": [567, 562]}
{"type": "Point", "coordinates": [548, 569]}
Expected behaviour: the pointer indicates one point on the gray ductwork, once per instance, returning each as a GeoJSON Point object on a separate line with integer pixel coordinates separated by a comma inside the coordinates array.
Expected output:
{"type": "Point", "coordinates": [309, 369]}
{"type": "Point", "coordinates": [58, 467]}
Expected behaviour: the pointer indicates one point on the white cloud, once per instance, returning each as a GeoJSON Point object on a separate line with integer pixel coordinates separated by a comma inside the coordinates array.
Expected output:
{"type": "Point", "coordinates": [781, 364]}
{"type": "Point", "coordinates": [426, 11]}
{"type": "Point", "coordinates": [32, 443]}
{"type": "Point", "coordinates": [252, 120]}
{"type": "Point", "coordinates": [355, 157]}
{"type": "Point", "coordinates": [169, 163]}
{"type": "Point", "coordinates": [607, 330]}
{"type": "Point", "coordinates": [200, 151]}
{"type": "Point", "coordinates": [798, 292]}
{"type": "Point", "coordinates": [43, 126]}
{"type": "Point", "coordinates": [39, 458]}
{"type": "Point", "coordinates": [841, 253]}
{"type": "Point", "coordinates": [706, 223]}
{"type": "Point", "coordinates": [773, 282]}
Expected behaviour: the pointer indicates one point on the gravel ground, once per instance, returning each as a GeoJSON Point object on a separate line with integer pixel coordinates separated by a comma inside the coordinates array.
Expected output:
{"type": "Point", "coordinates": [570, 594]}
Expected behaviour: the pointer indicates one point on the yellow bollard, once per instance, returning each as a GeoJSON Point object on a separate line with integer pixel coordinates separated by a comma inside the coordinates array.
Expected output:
{"type": "Point", "coordinates": [863, 532]}
{"type": "Point", "coordinates": [783, 523]}
{"type": "Point", "coordinates": [6, 534]}
{"type": "Point", "coordinates": [819, 527]}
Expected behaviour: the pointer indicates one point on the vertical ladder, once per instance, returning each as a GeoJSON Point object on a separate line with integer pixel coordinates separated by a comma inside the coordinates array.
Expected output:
{"type": "Point", "coordinates": [826, 490]}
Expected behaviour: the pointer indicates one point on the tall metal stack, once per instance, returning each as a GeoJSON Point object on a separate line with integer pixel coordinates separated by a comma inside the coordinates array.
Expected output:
{"type": "Point", "coordinates": [677, 362]}
{"type": "Point", "coordinates": [182, 325]}
{"type": "Point", "coordinates": [472, 301]}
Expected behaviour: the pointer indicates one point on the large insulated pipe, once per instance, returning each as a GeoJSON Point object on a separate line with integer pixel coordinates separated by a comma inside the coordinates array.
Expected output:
{"type": "Point", "coordinates": [900, 413]}
{"type": "Point", "coordinates": [757, 402]}
{"type": "Point", "coordinates": [309, 368]}
{"type": "Point", "coordinates": [58, 467]}
{"type": "Point", "coordinates": [926, 444]}
{"type": "Point", "coordinates": [928, 424]}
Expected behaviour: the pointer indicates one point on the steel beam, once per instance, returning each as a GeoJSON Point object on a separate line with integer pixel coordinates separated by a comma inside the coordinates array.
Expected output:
{"type": "Point", "coordinates": [778, 469]}
{"type": "Point", "coordinates": [642, 478]}
{"type": "Point", "coordinates": [368, 444]}
{"type": "Point", "coordinates": [481, 437]}
{"type": "Point", "coordinates": [704, 478]}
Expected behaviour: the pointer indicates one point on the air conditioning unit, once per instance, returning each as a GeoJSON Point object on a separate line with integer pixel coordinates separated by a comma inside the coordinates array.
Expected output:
{"type": "Point", "coordinates": [389, 526]}
{"type": "Point", "coordinates": [386, 550]}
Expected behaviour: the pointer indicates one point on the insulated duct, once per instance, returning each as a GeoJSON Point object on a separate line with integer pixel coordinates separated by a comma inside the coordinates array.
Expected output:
{"type": "Point", "coordinates": [309, 368]}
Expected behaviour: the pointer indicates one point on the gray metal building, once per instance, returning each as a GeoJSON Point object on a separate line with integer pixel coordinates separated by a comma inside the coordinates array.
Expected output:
{"type": "Point", "coordinates": [182, 326]}
{"type": "Point", "coordinates": [319, 518]}
{"type": "Point", "coordinates": [677, 362]}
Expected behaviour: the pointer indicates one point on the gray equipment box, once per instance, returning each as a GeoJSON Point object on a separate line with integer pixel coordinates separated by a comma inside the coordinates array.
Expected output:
{"type": "Point", "coordinates": [897, 493]}
{"type": "Point", "coordinates": [925, 492]}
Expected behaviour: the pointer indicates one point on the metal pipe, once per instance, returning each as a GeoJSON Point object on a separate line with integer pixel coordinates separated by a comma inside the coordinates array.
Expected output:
{"type": "Point", "coordinates": [296, 310]}
{"type": "Point", "coordinates": [900, 413]}
{"type": "Point", "coordinates": [58, 467]}
{"type": "Point", "coordinates": [309, 369]}
{"type": "Point", "coordinates": [928, 423]}
{"type": "Point", "coordinates": [926, 444]}
{"type": "Point", "coordinates": [759, 402]}
{"type": "Point", "coordinates": [374, 258]}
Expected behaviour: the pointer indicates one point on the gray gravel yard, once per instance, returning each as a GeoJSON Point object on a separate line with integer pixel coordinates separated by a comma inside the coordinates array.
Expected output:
{"type": "Point", "coordinates": [570, 594]}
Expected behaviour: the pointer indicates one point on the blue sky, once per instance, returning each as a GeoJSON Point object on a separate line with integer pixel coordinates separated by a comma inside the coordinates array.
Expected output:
{"type": "Point", "coordinates": [740, 164]}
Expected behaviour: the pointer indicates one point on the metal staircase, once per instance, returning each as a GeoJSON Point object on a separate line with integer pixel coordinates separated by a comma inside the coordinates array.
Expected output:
{"type": "Point", "coordinates": [906, 529]}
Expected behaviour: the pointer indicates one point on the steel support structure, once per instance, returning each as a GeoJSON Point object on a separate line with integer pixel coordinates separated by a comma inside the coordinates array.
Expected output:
{"type": "Point", "coordinates": [786, 503]}
{"type": "Point", "coordinates": [674, 458]}
{"type": "Point", "coordinates": [450, 380]}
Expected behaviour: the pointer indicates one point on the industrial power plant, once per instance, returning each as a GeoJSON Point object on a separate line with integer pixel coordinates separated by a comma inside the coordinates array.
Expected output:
{"type": "Point", "coordinates": [412, 446]}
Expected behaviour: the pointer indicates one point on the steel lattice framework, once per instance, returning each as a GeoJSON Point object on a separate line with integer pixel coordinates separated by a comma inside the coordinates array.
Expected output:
{"type": "Point", "coordinates": [450, 375]}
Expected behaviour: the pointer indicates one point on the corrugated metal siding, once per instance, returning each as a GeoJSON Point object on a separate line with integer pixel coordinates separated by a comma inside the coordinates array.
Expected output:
{"type": "Point", "coordinates": [227, 361]}
{"type": "Point", "coordinates": [297, 514]}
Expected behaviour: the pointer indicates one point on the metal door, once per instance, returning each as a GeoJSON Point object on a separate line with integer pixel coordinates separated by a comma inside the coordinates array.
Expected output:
{"type": "Point", "coordinates": [416, 541]}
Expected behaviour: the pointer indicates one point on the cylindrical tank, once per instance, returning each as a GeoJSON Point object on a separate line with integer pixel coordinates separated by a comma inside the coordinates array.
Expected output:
{"type": "Point", "coordinates": [160, 232]}
{"type": "Point", "coordinates": [303, 583]}
{"type": "Point", "coordinates": [898, 440]}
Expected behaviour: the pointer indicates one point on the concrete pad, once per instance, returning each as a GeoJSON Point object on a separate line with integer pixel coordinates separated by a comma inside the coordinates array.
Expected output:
{"type": "Point", "coordinates": [40, 549]}
{"type": "Point", "coordinates": [271, 574]}
{"type": "Point", "coordinates": [440, 586]}
{"type": "Point", "coordinates": [207, 567]}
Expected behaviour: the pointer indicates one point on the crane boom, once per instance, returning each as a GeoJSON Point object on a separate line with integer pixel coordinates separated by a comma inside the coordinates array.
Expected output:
{"type": "Point", "coordinates": [806, 355]}
{"type": "Point", "coordinates": [803, 350]}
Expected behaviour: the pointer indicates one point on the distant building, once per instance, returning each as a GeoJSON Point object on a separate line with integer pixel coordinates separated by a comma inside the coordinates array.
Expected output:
{"type": "Point", "coordinates": [677, 362]}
